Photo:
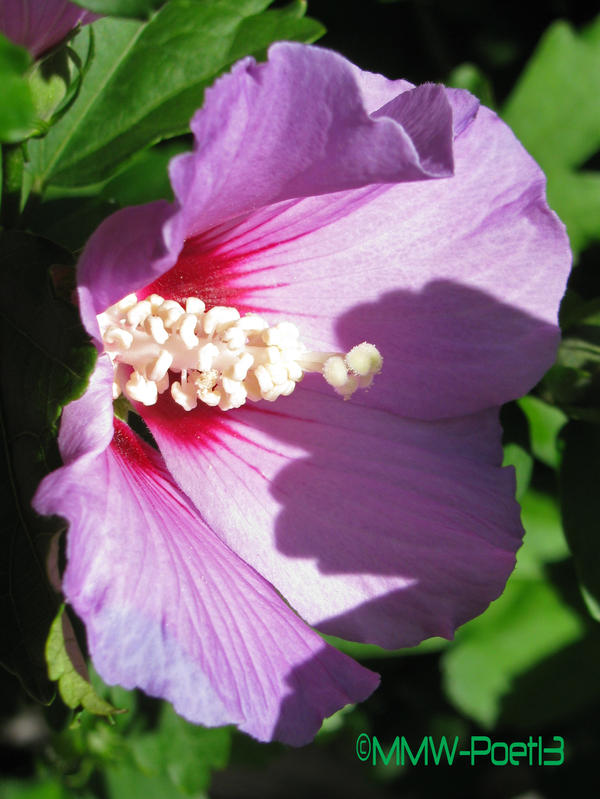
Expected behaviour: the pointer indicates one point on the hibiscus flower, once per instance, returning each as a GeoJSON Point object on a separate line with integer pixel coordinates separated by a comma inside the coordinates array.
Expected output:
{"type": "Point", "coordinates": [38, 26]}
{"type": "Point", "coordinates": [379, 220]}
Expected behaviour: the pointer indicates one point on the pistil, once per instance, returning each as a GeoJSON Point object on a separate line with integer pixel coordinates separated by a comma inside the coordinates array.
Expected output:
{"type": "Point", "coordinates": [216, 356]}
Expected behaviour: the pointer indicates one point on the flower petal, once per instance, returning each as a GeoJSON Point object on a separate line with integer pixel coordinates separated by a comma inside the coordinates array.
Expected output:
{"type": "Point", "coordinates": [129, 248]}
{"type": "Point", "coordinates": [373, 527]}
{"type": "Point", "coordinates": [456, 281]}
{"type": "Point", "coordinates": [296, 126]}
{"type": "Point", "coordinates": [40, 25]}
{"type": "Point", "coordinates": [171, 609]}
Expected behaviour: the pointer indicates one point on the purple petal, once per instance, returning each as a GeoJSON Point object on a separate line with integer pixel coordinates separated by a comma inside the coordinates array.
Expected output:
{"type": "Point", "coordinates": [296, 126]}
{"type": "Point", "coordinates": [171, 609]}
{"type": "Point", "coordinates": [40, 24]}
{"type": "Point", "coordinates": [373, 527]}
{"type": "Point", "coordinates": [129, 248]}
{"type": "Point", "coordinates": [456, 281]}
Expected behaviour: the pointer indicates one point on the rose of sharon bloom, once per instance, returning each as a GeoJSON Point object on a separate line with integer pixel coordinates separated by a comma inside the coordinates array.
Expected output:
{"type": "Point", "coordinates": [327, 218]}
{"type": "Point", "coordinates": [38, 25]}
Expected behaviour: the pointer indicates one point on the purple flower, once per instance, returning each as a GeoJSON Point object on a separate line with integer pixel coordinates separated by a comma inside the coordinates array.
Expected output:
{"type": "Point", "coordinates": [38, 25]}
{"type": "Point", "coordinates": [358, 209]}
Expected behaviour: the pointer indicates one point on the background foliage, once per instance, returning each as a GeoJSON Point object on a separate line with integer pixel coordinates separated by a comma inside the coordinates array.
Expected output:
{"type": "Point", "coordinates": [529, 664]}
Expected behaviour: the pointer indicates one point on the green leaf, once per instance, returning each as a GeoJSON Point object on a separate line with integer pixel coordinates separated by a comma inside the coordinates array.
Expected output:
{"type": "Point", "coordinates": [470, 77]}
{"type": "Point", "coordinates": [545, 423]}
{"type": "Point", "coordinates": [146, 178]}
{"type": "Point", "coordinates": [183, 752]}
{"type": "Point", "coordinates": [69, 218]}
{"type": "Point", "coordinates": [69, 669]}
{"type": "Point", "coordinates": [580, 500]}
{"type": "Point", "coordinates": [371, 651]}
{"type": "Point", "coordinates": [121, 8]}
{"type": "Point", "coordinates": [555, 113]}
{"type": "Point", "coordinates": [45, 360]}
{"type": "Point", "coordinates": [148, 79]}
{"type": "Point", "coordinates": [573, 383]}
{"type": "Point", "coordinates": [544, 541]}
{"type": "Point", "coordinates": [517, 456]}
{"type": "Point", "coordinates": [528, 624]}
{"type": "Point", "coordinates": [17, 112]}
{"type": "Point", "coordinates": [45, 788]}
{"type": "Point", "coordinates": [523, 629]}
{"type": "Point", "coordinates": [122, 781]}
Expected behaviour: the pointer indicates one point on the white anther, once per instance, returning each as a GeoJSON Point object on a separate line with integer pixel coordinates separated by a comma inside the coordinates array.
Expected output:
{"type": "Point", "coordinates": [116, 390]}
{"type": "Point", "coordinates": [286, 388]}
{"type": "Point", "coordinates": [236, 391]}
{"type": "Point", "coordinates": [156, 328]}
{"type": "Point", "coordinates": [116, 336]}
{"type": "Point", "coordinates": [278, 372]}
{"type": "Point", "coordinates": [161, 366]}
{"type": "Point", "coordinates": [125, 304]}
{"type": "Point", "coordinates": [206, 357]}
{"type": "Point", "coordinates": [141, 390]}
{"type": "Point", "coordinates": [271, 336]}
{"type": "Point", "coordinates": [364, 359]}
{"type": "Point", "coordinates": [211, 398]}
{"type": "Point", "coordinates": [274, 393]}
{"type": "Point", "coordinates": [240, 368]}
{"type": "Point", "coordinates": [186, 328]}
{"type": "Point", "coordinates": [139, 313]}
{"type": "Point", "coordinates": [194, 305]}
{"type": "Point", "coordinates": [184, 395]}
{"type": "Point", "coordinates": [265, 381]}
{"type": "Point", "coordinates": [217, 316]}
{"type": "Point", "coordinates": [169, 312]}
{"type": "Point", "coordinates": [221, 358]}
{"type": "Point", "coordinates": [273, 354]}
{"type": "Point", "coordinates": [294, 370]}
{"type": "Point", "coordinates": [335, 371]}
{"type": "Point", "coordinates": [234, 338]}
{"type": "Point", "coordinates": [252, 323]}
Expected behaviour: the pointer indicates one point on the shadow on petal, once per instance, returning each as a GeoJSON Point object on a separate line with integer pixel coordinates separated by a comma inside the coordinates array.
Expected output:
{"type": "Point", "coordinates": [449, 350]}
{"type": "Point", "coordinates": [403, 528]}
{"type": "Point", "coordinates": [374, 525]}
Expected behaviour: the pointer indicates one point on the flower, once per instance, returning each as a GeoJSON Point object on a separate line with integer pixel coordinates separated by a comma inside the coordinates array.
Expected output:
{"type": "Point", "coordinates": [360, 210]}
{"type": "Point", "coordinates": [38, 25]}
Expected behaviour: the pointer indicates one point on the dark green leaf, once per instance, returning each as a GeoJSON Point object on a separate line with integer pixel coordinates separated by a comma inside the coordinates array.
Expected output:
{"type": "Point", "coordinates": [148, 78]}
{"type": "Point", "coordinates": [121, 8]}
{"type": "Point", "coordinates": [580, 500]}
{"type": "Point", "coordinates": [44, 362]}
{"type": "Point", "coordinates": [17, 113]}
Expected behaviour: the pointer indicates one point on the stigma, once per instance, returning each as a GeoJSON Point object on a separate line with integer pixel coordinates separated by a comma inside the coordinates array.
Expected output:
{"type": "Point", "coordinates": [216, 356]}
